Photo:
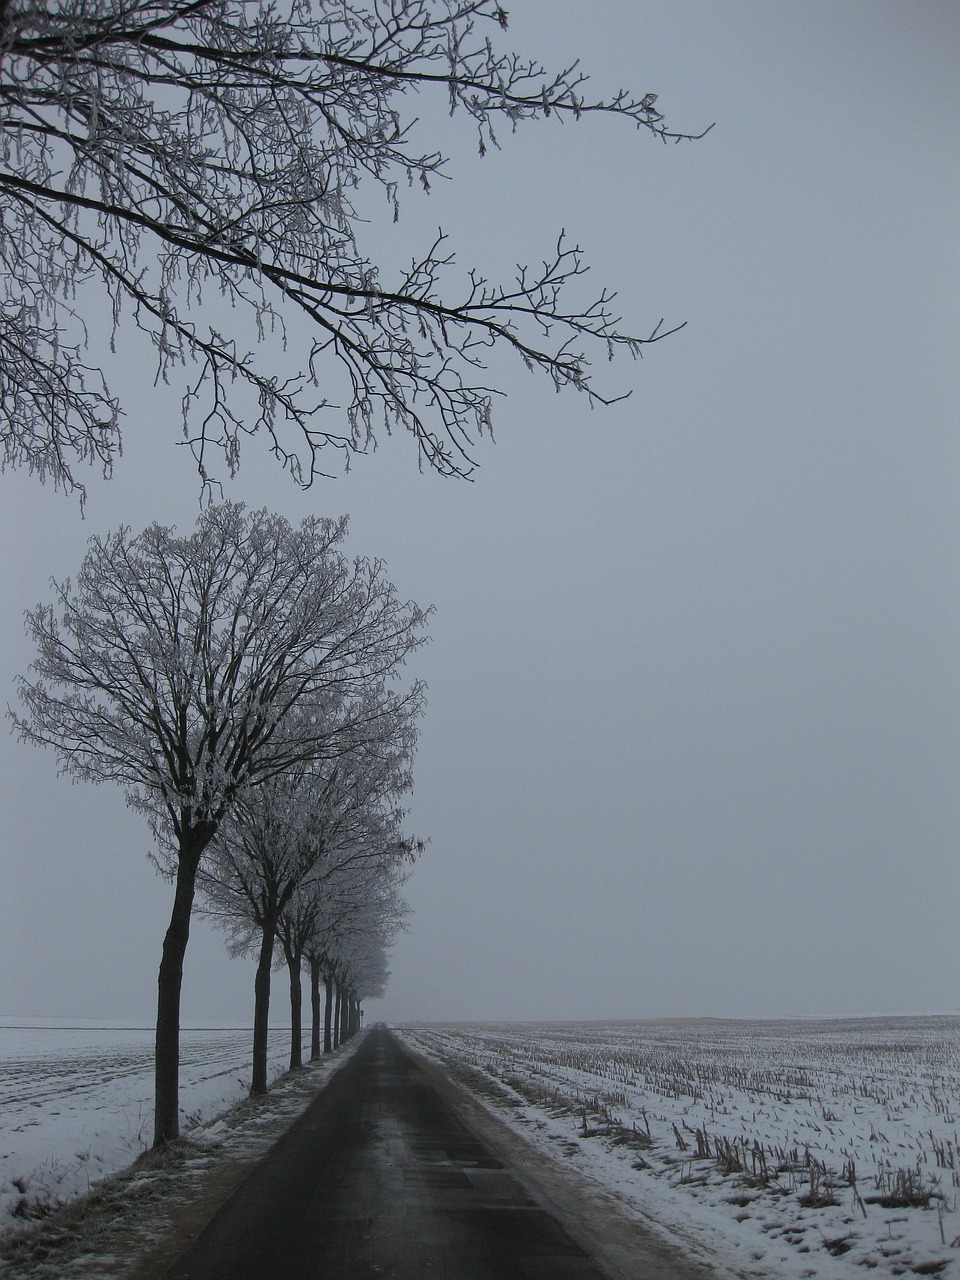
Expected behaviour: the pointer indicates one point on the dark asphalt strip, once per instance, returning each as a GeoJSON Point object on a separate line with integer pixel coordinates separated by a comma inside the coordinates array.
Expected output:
{"type": "Point", "coordinates": [381, 1178]}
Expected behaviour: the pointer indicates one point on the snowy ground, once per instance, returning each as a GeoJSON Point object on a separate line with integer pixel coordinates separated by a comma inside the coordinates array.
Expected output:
{"type": "Point", "coordinates": [137, 1221]}
{"type": "Point", "coordinates": [777, 1149]}
{"type": "Point", "coordinates": [76, 1103]}
{"type": "Point", "coordinates": [770, 1149]}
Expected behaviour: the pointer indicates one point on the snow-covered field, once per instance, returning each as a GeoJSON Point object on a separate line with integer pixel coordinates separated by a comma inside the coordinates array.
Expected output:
{"type": "Point", "coordinates": [76, 1103]}
{"type": "Point", "coordinates": [771, 1149]}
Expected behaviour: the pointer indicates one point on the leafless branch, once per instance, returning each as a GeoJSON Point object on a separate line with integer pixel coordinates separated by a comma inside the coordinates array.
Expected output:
{"type": "Point", "coordinates": [159, 151]}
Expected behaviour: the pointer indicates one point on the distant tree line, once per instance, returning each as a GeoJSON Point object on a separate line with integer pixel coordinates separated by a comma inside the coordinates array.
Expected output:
{"type": "Point", "coordinates": [242, 685]}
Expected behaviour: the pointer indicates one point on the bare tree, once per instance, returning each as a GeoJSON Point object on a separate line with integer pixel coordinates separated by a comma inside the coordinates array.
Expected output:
{"type": "Point", "coordinates": [262, 852]}
{"type": "Point", "coordinates": [348, 946]}
{"type": "Point", "coordinates": [359, 895]}
{"type": "Point", "coordinates": [153, 151]}
{"type": "Point", "coordinates": [296, 840]}
{"type": "Point", "coordinates": [176, 666]}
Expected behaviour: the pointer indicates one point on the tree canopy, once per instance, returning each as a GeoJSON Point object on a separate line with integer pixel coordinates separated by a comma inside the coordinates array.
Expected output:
{"type": "Point", "coordinates": [179, 666]}
{"type": "Point", "coordinates": [157, 154]}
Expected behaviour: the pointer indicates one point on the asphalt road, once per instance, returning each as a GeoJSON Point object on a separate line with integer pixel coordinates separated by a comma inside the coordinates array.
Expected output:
{"type": "Point", "coordinates": [381, 1178]}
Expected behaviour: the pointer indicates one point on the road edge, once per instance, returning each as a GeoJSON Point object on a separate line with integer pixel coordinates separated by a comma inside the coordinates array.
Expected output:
{"type": "Point", "coordinates": [596, 1220]}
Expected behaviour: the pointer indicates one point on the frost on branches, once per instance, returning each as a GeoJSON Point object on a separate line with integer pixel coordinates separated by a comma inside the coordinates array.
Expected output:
{"type": "Point", "coordinates": [154, 155]}
{"type": "Point", "coordinates": [304, 851]}
{"type": "Point", "coordinates": [190, 669]}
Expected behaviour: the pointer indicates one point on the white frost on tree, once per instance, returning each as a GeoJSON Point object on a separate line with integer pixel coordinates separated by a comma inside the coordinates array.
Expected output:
{"type": "Point", "coordinates": [155, 155]}
{"type": "Point", "coordinates": [176, 666]}
{"type": "Point", "coordinates": [303, 846]}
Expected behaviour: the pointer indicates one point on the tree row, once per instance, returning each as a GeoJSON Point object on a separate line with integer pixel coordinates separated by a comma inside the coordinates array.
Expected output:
{"type": "Point", "coordinates": [242, 684]}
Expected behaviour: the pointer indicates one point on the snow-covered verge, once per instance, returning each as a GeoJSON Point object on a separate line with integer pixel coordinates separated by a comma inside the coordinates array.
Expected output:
{"type": "Point", "coordinates": [133, 1223]}
{"type": "Point", "coordinates": [76, 1103]}
{"type": "Point", "coordinates": [766, 1149]}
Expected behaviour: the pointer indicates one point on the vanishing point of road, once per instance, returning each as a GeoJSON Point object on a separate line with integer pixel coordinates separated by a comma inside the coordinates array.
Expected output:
{"type": "Point", "coordinates": [381, 1178]}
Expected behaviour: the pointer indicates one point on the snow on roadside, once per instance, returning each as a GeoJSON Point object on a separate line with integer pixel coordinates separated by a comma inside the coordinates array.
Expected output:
{"type": "Point", "coordinates": [76, 1103]}
{"type": "Point", "coordinates": [788, 1149]}
{"type": "Point", "coordinates": [139, 1219]}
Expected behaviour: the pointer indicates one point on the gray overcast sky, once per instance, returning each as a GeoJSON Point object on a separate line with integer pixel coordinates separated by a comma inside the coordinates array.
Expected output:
{"type": "Point", "coordinates": [693, 734]}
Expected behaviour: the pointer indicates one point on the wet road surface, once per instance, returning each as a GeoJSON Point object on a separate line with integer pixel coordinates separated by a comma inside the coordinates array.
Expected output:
{"type": "Point", "coordinates": [381, 1178]}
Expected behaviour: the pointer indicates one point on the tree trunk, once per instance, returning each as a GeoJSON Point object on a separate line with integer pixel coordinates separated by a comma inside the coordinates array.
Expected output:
{"type": "Point", "coordinates": [261, 1009]}
{"type": "Point", "coordinates": [344, 1015]}
{"type": "Point", "coordinates": [166, 1116]}
{"type": "Point", "coordinates": [296, 1013]}
{"type": "Point", "coordinates": [328, 1013]}
{"type": "Point", "coordinates": [314, 1009]}
{"type": "Point", "coordinates": [336, 1020]}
